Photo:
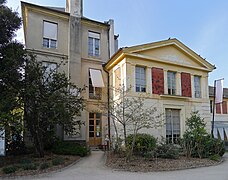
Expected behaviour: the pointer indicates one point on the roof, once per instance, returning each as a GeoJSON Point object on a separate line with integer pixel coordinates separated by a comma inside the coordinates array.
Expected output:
{"type": "Point", "coordinates": [62, 11]}
{"type": "Point", "coordinates": [135, 51]}
{"type": "Point", "coordinates": [211, 92]}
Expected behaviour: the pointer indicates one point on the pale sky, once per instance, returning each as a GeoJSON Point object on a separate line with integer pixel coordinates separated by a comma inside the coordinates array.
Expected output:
{"type": "Point", "coordinates": [202, 25]}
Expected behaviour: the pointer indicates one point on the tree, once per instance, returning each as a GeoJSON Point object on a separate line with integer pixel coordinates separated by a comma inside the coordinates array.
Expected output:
{"type": "Point", "coordinates": [12, 56]}
{"type": "Point", "coordinates": [50, 100]}
{"type": "Point", "coordinates": [130, 115]}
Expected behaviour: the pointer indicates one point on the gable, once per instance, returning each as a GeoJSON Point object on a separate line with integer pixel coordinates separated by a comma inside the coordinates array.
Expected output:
{"type": "Point", "coordinates": [172, 53]}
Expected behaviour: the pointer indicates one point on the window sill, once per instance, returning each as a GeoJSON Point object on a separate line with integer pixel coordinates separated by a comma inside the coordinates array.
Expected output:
{"type": "Point", "coordinates": [174, 96]}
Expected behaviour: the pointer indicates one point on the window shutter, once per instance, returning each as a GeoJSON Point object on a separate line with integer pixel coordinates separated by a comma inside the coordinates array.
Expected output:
{"type": "Point", "coordinates": [218, 108]}
{"type": "Point", "coordinates": [186, 84]}
{"type": "Point", "coordinates": [224, 107]}
{"type": "Point", "coordinates": [50, 30]}
{"type": "Point", "coordinates": [158, 81]}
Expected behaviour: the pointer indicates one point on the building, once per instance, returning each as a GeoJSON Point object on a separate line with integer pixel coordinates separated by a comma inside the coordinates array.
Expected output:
{"type": "Point", "coordinates": [221, 115]}
{"type": "Point", "coordinates": [81, 46]}
{"type": "Point", "coordinates": [174, 78]}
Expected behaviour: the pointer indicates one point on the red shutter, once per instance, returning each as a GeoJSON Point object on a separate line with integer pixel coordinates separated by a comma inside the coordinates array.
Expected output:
{"type": "Point", "coordinates": [186, 84]}
{"type": "Point", "coordinates": [218, 108]}
{"type": "Point", "coordinates": [157, 81]}
{"type": "Point", "coordinates": [224, 107]}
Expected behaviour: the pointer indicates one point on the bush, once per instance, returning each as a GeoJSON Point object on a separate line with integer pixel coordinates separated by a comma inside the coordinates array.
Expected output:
{"type": "Point", "coordinates": [69, 148]}
{"type": "Point", "coordinates": [25, 161]}
{"type": "Point", "coordinates": [44, 166]}
{"type": "Point", "coordinates": [144, 143]}
{"type": "Point", "coordinates": [29, 166]}
{"type": "Point", "coordinates": [170, 151]}
{"type": "Point", "coordinates": [57, 161]}
{"type": "Point", "coordinates": [215, 157]}
{"type": "Point", "coordinates": [9, 169]}
{"type": "Point", "coordinates": [197, 142]}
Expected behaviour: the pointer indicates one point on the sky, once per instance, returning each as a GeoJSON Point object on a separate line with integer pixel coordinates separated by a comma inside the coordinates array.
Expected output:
{"type": "Point", "coordinates": [202, 25]}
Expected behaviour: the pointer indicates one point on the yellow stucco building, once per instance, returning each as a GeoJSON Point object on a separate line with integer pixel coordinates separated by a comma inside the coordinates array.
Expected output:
{"type": "Point", "coordinates": [173, 78]}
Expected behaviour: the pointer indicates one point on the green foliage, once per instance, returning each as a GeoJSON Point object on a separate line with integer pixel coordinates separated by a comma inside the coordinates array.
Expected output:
{"type": "Point", "coordinates": [57, 161]}
{"type": "Point", "coordinates": [50, 100]}
{"type": "Point", "coordinates": [144, 143]}
{"type": "Point", "coordinates": [197, 142]}
{"type": "Point", "coordinates": [44, 166]}
{"type": "Point", "coordinates": [12, 58]}
{"type": "Point", "coordinates": [9, 169]}
{"type": "Point", "coordinates": [25, 161]}
{"type": "Point", "coordinates": [215, 157]}
{"type": "Point", "coordinates": [170, 151]}
{"type": "Point", "coordinates": [69, 148]}
{"type": "Point", "coordinates": [29, 166]}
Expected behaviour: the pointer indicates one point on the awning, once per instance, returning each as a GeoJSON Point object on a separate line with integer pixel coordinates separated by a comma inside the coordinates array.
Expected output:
{"type": "Point", "coordinates": [96, 77]}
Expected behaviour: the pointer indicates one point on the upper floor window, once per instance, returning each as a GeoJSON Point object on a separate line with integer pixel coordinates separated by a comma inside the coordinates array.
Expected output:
{"type": "Point", "coordinates": [95, 84]}
{"type": "Point", "coordinates": [197, 88]}
{"type": "Point", "coordinates": [140, 79]}
{"type": "Point", "coordinates": [50, 34]}
{"type": "Point", "coordinates": [94, 44]}
{"type": "Point", "coordinates": [171, 76]}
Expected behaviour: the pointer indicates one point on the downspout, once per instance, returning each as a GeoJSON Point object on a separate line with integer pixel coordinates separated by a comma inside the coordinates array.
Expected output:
{"type": "Point", "coordinates": [109, 132]}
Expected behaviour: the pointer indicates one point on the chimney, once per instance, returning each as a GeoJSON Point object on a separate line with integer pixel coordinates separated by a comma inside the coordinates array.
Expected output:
{"type": "Point", "coordinates": [74, 7]}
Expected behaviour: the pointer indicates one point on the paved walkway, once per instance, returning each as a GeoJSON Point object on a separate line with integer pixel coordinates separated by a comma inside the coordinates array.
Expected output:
{"type": "Point", "coordinates": [92, 168]}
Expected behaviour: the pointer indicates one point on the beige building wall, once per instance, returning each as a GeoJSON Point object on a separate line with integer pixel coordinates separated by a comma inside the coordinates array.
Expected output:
{"type": "Point", "coordinates": [170, 58]}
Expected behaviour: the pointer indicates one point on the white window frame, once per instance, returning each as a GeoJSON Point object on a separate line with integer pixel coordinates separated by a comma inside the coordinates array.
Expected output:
{"type": "Point", "coordinates": [94, 92]}
{"type": "Point", "coordinates": [197, 87]}
{"type": "Point", "coordinates": [94, 38]}
{"type": "Point", "coordinates": [50, 34]}
{"type": "Point", "coordinates": [140, 79]}
{"type": "Point", "coordinates": [171, 80]}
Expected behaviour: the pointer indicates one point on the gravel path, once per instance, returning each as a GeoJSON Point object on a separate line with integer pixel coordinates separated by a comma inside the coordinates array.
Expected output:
{"type": "Point", "coordinates": [93, 168]}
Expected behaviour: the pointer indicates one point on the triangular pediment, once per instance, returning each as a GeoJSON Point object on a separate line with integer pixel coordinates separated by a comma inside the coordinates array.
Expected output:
{"type": "Point", "coordinates": [171, 51]}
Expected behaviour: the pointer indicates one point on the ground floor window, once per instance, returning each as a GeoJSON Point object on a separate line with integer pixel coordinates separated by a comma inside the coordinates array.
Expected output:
{"type": "Point", "coordinates": [172, 125]}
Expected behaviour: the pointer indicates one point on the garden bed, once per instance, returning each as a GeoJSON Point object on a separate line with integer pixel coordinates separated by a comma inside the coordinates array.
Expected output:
{"type": "Point", "coordinates": [141, 164]}
{"type": "Point", "coordinates": [29, 165]}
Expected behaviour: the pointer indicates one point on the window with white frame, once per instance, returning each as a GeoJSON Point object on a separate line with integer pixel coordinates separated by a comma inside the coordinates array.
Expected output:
{"type": "Point", "coordinates": [140, 79]}
{"type": "Point", "coordinates": [171, 78]}
{"type": "Point", "coordinates": [197, 87]}
{"type": "Point", "coordinates": [172, 125]}
{"type": "Point", "coordinates": [50, 34]}
{"type": "Point", "coordinates": [93, 44]}
{"type": "Point", "coordinates": [49, 69]}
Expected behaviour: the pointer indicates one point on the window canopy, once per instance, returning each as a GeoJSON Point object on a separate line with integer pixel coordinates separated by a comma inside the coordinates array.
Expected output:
{"type": "Point", "coordinates": [96, 77]}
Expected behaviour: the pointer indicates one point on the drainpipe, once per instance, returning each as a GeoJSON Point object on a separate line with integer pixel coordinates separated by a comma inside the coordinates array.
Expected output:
{"type": "Point", "coordinates": [109, 133]}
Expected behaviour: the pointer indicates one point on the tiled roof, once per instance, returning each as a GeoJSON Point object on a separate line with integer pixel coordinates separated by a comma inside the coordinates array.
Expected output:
{"type": "Point", "coordinates": [211, 92]}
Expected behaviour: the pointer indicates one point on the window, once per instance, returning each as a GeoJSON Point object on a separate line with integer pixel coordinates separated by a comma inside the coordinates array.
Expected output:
{"type": "Point", "coordinates": [172, 125]}
{"type": "Point", "coordinates": [94, 44]}
{"type": "Point", "coordinates": [94, 125]}
{"type": "Point", "coordinates": [95, 84]}
{"type": "Point", "coordinates": [140, 79]}
{"type": "Point", "coordinates": [117, 80]}
{"type": "Point", "coordinates": [171, 76]}
{"type": "Point", "coordinates": [49, 35]}
{"type": "Point", "coordinates": [197, 88]}
{"type": "Point", "coordinates": [49, 69]}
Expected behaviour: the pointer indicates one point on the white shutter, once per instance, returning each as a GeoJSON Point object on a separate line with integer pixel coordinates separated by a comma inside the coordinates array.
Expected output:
{"type": "Point", "coordinates": [50, 30]}
{"type": "Point", "coordinates": [2, 143]}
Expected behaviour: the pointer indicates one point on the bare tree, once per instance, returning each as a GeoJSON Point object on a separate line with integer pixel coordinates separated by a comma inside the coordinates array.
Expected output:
{"type": "Point", "coordinates": [129, 115]}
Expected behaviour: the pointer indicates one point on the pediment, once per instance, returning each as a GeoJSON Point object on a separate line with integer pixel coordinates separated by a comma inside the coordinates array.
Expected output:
{"type": "Point", "coordinates": [171, 51]}
{"type": "Point", "coordinates": [172, 54]}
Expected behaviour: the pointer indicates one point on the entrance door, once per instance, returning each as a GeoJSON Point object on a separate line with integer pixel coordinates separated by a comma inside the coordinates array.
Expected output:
{"type": "Point", "coordinates": [95, 129]}
{"type": "Point", "coordinates": [172, 125]}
